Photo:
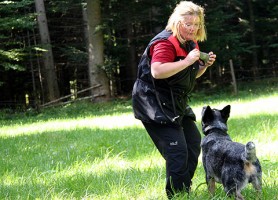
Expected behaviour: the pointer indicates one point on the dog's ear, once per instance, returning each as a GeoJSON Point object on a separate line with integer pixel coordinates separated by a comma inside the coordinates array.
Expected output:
{"type": "Point", "coordinates": [225, 112]}
{"type": "Point", "coordinates": [207, 114]}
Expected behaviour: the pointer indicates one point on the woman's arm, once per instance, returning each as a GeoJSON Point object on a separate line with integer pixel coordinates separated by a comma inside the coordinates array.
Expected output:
{"type": "Point", "coordinates": [165, 70]}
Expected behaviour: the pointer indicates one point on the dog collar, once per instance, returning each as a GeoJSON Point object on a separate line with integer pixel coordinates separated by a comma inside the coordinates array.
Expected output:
{"type": "Point", "coordinates": [210, 127]}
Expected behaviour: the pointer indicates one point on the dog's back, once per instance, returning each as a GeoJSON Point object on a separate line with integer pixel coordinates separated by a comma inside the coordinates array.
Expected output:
{"type": "Point", "coordinates": [227, 162]}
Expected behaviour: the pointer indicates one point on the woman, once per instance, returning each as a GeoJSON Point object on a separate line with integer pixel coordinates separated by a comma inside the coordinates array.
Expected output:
{"type": "Point", "coordinates": [166, 75]}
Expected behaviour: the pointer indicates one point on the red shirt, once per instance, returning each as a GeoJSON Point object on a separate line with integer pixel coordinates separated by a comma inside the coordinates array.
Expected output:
{"type": "Point", "coordinates": [164, 50]}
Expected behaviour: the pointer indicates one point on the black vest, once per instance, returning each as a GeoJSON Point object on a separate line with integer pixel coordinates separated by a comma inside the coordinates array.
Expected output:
{"type": "Point", "coordinates": [164, 100]}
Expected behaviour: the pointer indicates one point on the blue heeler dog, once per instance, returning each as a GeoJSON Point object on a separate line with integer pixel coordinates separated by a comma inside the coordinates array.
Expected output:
{"type": "Point", "coordinates": [227, 162]}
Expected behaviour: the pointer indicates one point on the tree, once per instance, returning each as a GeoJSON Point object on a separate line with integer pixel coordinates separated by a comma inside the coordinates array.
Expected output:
{"type": "Point", "coordinates": [118, 37]}
{"type": "Point", "coordinates": [15, 22]}
{"type": "Point", "coordinates": [253, 39]}
{"type": "Point", "coordinates": [225, 38]}
{"type": "Point", "coordinates": [262, 37]}
{"type": "Point", "coordinates": [97, 75]}
{"type": "Point", "coordinates": [129, 26]}
{"type": "Point", "coordinates": [49, 71]}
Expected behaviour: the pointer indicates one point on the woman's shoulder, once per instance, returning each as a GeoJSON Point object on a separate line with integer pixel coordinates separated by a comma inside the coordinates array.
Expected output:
{"type": "Point", "coordinates": [162, 45]}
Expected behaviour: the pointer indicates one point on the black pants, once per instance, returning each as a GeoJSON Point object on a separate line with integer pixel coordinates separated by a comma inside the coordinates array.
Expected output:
{"type": "Point", "coordinates": [180, 147]}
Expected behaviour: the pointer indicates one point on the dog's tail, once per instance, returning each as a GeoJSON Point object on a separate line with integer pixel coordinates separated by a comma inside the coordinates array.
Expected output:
{"type": "Point", "coordinates": [250, 152]}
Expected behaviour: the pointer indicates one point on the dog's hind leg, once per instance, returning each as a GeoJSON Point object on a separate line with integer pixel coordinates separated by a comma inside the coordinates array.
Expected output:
{"type": "Point", "coordinates": [257, 184]}
{"type": "Point", "coordinates": [239, 196]}
{"type": "Point", "coordinates": [232, 192]}
{"type": "Point", "coordinates": [211, 186]}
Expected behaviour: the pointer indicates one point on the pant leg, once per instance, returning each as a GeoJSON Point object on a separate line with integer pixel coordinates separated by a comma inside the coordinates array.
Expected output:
{"type": "Point", "coordinates": [193, 140]}
{"type": "Point", "coordinates": [171, 143]}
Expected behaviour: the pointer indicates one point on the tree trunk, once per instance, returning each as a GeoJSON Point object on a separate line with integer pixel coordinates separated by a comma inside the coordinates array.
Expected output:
{"type": "Point", "coordinates": [97, 74]}
{"type": "Point", "coordinates": [49, 71]}
{"type": "Point", "coordinates": [253, 40]}
{"type": "Point", "coordinates": [131, 69]}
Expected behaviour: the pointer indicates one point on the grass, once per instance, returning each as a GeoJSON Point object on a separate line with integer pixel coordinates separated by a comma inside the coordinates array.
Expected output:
{"type": "Point", "coordinates": [99, 151]}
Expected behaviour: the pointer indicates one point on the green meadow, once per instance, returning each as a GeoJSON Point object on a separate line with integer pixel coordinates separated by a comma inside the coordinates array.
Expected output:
{"type": "Point", "coordinates": [99, 151]}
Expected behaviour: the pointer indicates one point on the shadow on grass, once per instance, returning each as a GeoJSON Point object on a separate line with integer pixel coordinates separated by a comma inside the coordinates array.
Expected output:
{"type": "Point", "coordinates": [71, 111]}
{"type": "Point", "coordinates": [70, 145]}
{"type": "Point", "coordinates": [65, 162]}
{"type": "Point", "coordinates": [103, 164]}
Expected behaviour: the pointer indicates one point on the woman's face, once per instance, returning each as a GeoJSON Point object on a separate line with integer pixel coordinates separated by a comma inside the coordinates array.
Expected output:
{"type": "Point", "coordinates": [189, 27]}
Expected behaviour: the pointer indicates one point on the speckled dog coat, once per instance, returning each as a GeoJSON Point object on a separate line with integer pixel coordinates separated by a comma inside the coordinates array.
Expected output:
{"type": "Point", "coordinates": [227, 162]}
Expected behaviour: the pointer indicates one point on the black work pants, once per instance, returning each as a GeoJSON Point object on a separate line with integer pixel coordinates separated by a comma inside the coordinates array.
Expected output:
{"type": "Point", "coordinates": [180, 147]}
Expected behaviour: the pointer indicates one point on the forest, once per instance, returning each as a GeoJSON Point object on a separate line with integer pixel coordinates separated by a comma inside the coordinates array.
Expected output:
{"type": "Point", "coordinates": [55, 51]}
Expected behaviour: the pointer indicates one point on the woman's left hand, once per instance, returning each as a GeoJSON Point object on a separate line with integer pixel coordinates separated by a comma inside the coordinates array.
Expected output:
{"type": "Point", "coordinates": [212, 58]}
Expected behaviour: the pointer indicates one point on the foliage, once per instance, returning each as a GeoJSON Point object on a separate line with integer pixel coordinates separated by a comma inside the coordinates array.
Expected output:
{"type": "Point", "coordinates": [222, 21]}
{"type": "Point", "coordinates": [127, 26]}
{"type": "Point", "coordinates": [133, 27]}
{"type": "Point", "coordinates": [14, 24]}
{"type": "Point", "coordinates": [267, 35]}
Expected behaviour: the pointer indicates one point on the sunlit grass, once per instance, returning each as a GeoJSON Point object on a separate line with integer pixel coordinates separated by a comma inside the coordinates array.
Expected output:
{"type": "Point", "coordinates": [79, 152]}
{"type": "Point", "coordinates": [239, 109]}
{"type": "Point", "coordinates": [102, 122]}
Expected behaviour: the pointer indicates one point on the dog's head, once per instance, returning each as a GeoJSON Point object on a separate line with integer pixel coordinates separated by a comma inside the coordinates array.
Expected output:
{"type": "Point", "coordinates": [215, 119]}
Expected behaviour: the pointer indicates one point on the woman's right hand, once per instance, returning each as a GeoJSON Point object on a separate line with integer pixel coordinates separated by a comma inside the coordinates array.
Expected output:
{"type": "Point", "coordinates": [193, 56]}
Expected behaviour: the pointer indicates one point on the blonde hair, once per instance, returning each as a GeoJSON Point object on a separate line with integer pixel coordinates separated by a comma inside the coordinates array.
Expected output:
{"type": "Point", "coordinates": [185, 8]}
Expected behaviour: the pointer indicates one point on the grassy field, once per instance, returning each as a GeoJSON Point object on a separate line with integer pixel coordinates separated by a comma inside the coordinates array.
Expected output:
{"type": "Point", "coordinates": [99, 151]}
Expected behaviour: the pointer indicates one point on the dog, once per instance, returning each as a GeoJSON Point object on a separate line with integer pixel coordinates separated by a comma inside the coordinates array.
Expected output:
{"type": "Point", "coordinates": [227, 162]}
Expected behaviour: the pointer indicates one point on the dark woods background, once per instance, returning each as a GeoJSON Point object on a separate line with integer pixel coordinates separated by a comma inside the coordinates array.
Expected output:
{"type": "Point", "coordinates": [241, 32]}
